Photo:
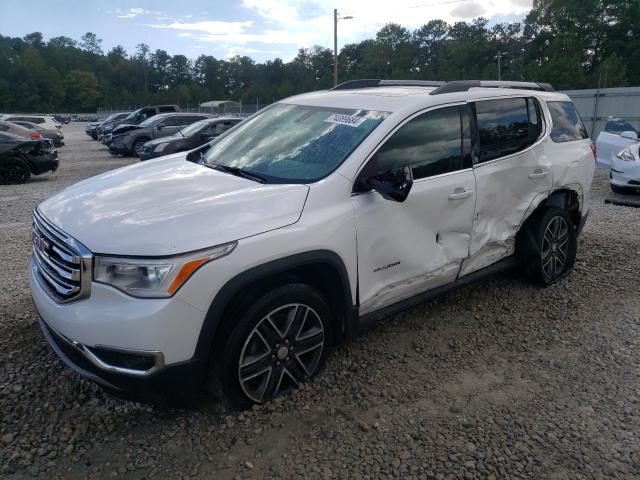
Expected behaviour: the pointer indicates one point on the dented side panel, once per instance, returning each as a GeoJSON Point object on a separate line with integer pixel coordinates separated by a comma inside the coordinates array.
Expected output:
{"type": "Point", "coordinates": [509, 190]}
{"type": "Point", "coordinates": [407, 248]}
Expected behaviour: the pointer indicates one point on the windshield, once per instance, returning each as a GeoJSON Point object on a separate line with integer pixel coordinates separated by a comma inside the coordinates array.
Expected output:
{"type": "Point", "coordinates": [294, 143]}
{"type": "Point", "coordinates": [193, 128]}
{"type": "Point", "coordinates": [110, 117]}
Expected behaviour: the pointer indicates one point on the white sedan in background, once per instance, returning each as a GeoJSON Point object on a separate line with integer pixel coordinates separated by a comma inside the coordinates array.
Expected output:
{"type": "Point", "coordinates": [617, 147]}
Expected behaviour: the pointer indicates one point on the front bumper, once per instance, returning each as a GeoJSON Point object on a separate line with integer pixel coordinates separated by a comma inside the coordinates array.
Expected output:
{"type": "Point", "coordinates": [117, 147]}
{"type": "Point", "coordinates": [177, 383]}
{"type": "Point", "coordinates": [101, 336]}
{"type": "Point", "coordinates": [625, 174]}
{"type": "Point", "coordinates": [47, 162]}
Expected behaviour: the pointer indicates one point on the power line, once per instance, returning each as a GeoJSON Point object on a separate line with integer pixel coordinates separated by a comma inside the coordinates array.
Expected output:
{"type": "Point", "coordinates": [433, 4]}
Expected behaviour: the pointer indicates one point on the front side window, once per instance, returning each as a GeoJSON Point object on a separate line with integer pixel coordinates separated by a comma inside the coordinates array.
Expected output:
{"type": "Point", "coordinates": [567, 124]}
{"type": "Point", "coordinates": [151, 121]}
{"type": "Point", "coordinates": [294, 143]}
{"type": "Point", "coordinates": [430, 144]}
{"type": "Point", "coordinates": [507, 126]}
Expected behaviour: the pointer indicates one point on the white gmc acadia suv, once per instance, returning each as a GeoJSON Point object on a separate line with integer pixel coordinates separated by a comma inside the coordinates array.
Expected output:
{"type": "Point", "coordinates": [235, 267]}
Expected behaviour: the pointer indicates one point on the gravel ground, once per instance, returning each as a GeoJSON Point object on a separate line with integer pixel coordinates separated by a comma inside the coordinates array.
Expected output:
{"type": "Point", "coordinates": [497, 380]}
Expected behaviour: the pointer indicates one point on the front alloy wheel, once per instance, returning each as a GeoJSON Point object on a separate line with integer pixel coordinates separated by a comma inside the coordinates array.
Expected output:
{"type": "Point", "coordinates": [138, 146]}
{"type": "Point", "coordinates": [281, 352]}
{"type": "Point", "coordinates": [269, 345]}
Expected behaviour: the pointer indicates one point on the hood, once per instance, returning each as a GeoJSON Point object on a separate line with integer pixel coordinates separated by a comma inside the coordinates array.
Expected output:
{"type": "Point", "coordinates": [170, 139]}
{"type": "Point", "coordinates": [169, 206]}
{"type": "Point", "coordinates": [124, 127]}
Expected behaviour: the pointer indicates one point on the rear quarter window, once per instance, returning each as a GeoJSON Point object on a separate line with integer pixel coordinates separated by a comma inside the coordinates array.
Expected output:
{"type": "Point", "coordinates": [506, 126]}
{"type": "Point", "coordinates": [567, 124]}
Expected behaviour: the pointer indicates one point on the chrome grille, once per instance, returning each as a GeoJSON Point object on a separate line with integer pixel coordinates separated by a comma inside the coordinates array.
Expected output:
{"type": "Point", "coordinates": [62, 264]}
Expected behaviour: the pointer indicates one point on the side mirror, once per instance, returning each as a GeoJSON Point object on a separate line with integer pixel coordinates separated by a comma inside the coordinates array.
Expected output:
{"type": "Point", "coordinates": [631, 135]}
{"type": "Point", "coordinates": [393, 184]}
{"type": "Point", "coordinates": [160, 127]}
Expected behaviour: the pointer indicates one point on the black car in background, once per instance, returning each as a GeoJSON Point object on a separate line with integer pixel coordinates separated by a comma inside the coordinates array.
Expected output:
{"type": "Point", "coordinates": [109, 123]}
{"type": "Point", "coordinates": [137, 117]}
{"type": "Point", "coordinates": [92, 130]}
{"type": "Point", "coordinates": [20, 158]}
{"type": "Point", "coordinates": [129, 139]}
{"type": "Point", "coordinates": [188, 138]}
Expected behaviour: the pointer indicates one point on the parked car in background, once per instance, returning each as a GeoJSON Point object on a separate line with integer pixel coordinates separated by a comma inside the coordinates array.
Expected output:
{"type": "Point", "coordinates": [62, 119]}
{"type": "Point", "coordinates": [92, 130]}
{"type": "Point", "coordinates": [45, 121]}
{"type": "Point", "coordinates": [236, 267]}
{"type": "Point", "coordinates": [54, 135]}
{"type": "Point", "coordinates": [18, 130]}
{"type": "Point", "coordinates": [189, 137]}
{"type": "Point", "coordinates": [20, 158]}
{"type": "Point", "coordinates": [129, 139]}
{"type": "Point", "coordinates": [617, 147]}
{"type": "Point", "coordinates": [142, 114]}
{"type": "Point", "coordinates": [108, 124]}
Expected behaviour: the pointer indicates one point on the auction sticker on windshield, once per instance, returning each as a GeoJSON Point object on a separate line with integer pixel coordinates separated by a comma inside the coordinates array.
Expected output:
{"type": "Point", "coordinates": [349, 120]}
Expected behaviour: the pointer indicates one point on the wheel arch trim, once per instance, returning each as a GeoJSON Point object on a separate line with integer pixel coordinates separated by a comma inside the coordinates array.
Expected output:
{"type": "Point", "coordinates": [234, 286]}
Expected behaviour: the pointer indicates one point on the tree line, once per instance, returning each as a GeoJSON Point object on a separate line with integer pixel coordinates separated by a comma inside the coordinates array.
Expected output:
{"type": "Point", "coordinates": [569, 44]}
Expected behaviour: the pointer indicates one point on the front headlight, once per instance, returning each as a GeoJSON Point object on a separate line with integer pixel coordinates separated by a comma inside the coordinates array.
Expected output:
{"type": "Point", "coordinates": [629, 154]}
{"type": "Point", "coordinates": [161, 147]}
{"type": "Point", "coordinates": [154, 277]}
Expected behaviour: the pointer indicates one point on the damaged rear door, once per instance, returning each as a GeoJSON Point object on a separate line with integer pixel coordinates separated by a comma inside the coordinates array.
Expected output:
{"type": "Point", "coordinates": [405, 248]}
{"type": "Point", "coordinates": [512, 176]}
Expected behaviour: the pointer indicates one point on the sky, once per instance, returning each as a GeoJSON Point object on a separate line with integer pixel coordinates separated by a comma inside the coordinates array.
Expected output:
{"type": "Point", "coordinates": [260, 29]}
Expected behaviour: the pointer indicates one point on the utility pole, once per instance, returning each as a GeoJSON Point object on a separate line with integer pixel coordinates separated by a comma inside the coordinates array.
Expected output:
{"type": "Point", "coordinates": [500, 54]}
{"type": "Point", "coordinates": [335, 44]}
{"type": "Point", "coordinates": [335, 47]}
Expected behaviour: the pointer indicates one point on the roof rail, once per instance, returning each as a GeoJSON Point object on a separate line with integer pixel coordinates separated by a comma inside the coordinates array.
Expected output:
{"type": "Point", "coordinates": [373, 82]}
{"type": "Point", "coordinates": [465, 85]}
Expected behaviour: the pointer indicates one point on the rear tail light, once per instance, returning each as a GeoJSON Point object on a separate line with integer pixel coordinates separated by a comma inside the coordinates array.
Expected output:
{"type": "Point", "coordinates": [594, 150]}
{"type": "Point", "coordinates": [36, 136]}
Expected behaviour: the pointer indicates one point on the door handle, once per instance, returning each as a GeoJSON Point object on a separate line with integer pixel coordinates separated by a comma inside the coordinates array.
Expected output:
{"type": "Point", "coordinates": [460, 194]}
{"type": "Point", "coordinates": [538, 173]}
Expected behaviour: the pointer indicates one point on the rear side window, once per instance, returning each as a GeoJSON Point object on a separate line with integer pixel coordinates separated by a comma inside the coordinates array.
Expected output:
{"type": "Point", "coordinates": [507, 126]}
{"type": "Point", "coordinates": [430, 144]}
{"type": "Point", "coordinates": [166, 109]}
{"type": "Point", "coordinates": [567, 124]}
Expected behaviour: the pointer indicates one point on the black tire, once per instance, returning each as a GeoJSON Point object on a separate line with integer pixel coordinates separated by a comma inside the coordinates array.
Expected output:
{"type": "Point", "coordinates": [273, 355]}
{"type": "Point", "coordinates": [14, 170]}
{"type": "Point", "coordinates": [137, 147]}
{"type": "Point", "coordinates": [547, 246]}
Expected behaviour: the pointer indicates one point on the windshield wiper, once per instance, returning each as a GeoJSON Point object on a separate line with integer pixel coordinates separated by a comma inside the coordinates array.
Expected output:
{"type": "Point", "coordinates": [239, 172]}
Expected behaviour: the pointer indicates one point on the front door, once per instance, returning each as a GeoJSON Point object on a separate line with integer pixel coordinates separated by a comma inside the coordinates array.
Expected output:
{"type": "Point", "coordinates": [410, 247]}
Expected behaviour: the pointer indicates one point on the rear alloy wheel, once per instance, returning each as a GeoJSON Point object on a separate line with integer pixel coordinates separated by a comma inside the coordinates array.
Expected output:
{"type": "Point", "coordinates": [552, 252]}
{"type": "Point", "coordinates": [137, 147]}
{"type": "Point", "coordinates": [14, 170]}
{"type": "Point", "coordinates": [280, 342]}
